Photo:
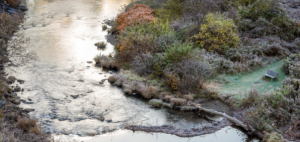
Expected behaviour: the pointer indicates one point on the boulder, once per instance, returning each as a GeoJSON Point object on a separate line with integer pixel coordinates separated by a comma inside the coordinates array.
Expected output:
{"type": "Point", "coordinates": [27, 110]}
{"type": "Point", "coordinates": [17, 89]}
{"type": "Point", "coordinates": [20, 81]}
{"type": "Point", "coordinates": [16, 101]}
{"type": "Point", "coordinates": [2, 104]}
{"type": "Point", "coordinates": [101, 118]}
{"type": "Point", "coordinates": [11, 79]}
{"type": "Point", "coordinates": [74, 96]}
{"type": "Point", "coordinates": [89, 62]}
{"type": "Point", "coordinates": [13, 95]}
{"type": "Point", "coordinates": [23, 8]}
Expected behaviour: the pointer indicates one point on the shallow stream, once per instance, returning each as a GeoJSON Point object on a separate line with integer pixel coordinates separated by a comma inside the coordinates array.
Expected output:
{"type": "Point", "coordinates": [62, 33]}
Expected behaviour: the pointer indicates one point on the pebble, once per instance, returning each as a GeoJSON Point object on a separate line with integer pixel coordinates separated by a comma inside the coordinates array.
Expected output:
{"type": "Point", "coordinates": [74, 96]}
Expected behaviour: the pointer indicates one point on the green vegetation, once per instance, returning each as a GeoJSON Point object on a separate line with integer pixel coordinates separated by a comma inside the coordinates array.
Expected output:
{"type": "Point", "coordinates": [100, 45]}
{"type": "Point", "coordinates": [217, 50]}
{"type": "Point", "coordinates": [217, 32]}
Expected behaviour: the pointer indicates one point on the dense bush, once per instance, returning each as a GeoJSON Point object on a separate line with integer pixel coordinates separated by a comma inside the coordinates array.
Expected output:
{"type": "Point", "coordinates": [172, 10]}
{"type": "Point", "coordinates": [143, 64]}
{"type": "Point", "coordinates": [188, 75]}
{"type": "Point", "coordinates": [138, 14]}
{"type": "Point", "coordinates": [291, 65]}
{"type": "Point", "coordinates": [142, 38]}
{"type": "Point", "coordinates": [178, 52]}
{"type": "Point", "coordinates": [12, 3]}
{"type": "Point", "coordinates": [278, 110]}
{"type": "Point", "coordinates": [218, 33]}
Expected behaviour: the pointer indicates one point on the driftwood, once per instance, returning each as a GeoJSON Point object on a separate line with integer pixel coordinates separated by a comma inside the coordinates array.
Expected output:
{"type": "Point", "coordinates": [248, 128]}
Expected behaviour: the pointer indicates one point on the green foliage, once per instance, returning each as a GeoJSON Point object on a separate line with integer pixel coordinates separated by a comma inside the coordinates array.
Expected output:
{"type": "Point", "coordinates": [142, 38]}
{"type": "Point", "coordinates": [178, 52]}
{"type": "Point", "coordinates": [261, 8]}
{"type": "Point", "coordinates": [218, 33]}
{"type": "Point", "coordinates": [172, 10]}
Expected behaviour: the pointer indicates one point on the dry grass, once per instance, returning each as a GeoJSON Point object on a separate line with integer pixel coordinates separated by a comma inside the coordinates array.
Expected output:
{"type": "Point", "coordinates": [189, 97]}
{"type": "Point", "coordinates": [168, 98]}
{"type": "Point", "coordinates": [178, 101]}
{"type": "Point", "coordinates": [147, 92]}
{"type": "Point", "coordinates": [211, 86]}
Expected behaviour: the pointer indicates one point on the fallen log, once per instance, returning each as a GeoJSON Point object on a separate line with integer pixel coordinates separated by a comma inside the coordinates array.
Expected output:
{"type": "Point", "coordinates": [248, 128]}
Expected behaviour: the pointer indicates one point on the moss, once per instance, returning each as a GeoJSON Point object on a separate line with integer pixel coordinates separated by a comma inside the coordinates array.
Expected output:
{"type": "Point", "coordinates": [156, 102]}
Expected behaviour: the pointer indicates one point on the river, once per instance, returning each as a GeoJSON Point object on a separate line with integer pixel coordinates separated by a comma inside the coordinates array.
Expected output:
{"type": "Point", "coordinates": [62, 33]}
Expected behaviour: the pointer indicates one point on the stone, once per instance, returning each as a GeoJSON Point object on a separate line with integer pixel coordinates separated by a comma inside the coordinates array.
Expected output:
{"type": "Point", "coordinates": [17, 89]}
{"type": "Point", "coordinates": [6, 95]}
{"type": "Point", "coordinates": [89, 62]}
{"type": "Point", "coordinates": [13, 95]}
{"type": "Point", "coordinates": [109, 121]}
{"type": "Point", "coordinates": [2, 103]}
{"type": "Point", "coordinates": [101, 83]}
{"type": "Point", "coordinates": [16, 101]}
{"type": "Point", "coordinates": [103, 80]}
{"type": "Point", "coordinates": [27, 110]}
{"type": "Point", "coordinates": [74, 96]}
{"type": "Point", "coordinates": [11, 79]}
{"type": "Point", "coordinates": [11, 11]}
{"type": "Point", "coordinates": [29, 99]}
{"type": "Point", "coordinates": [20, 81]}
{"type": "Point", "coordinates": [23, 8]}
{"type": "Point", "coordinates": [111, 72]}
{"type": "Point", "coordinates": [101, 118]}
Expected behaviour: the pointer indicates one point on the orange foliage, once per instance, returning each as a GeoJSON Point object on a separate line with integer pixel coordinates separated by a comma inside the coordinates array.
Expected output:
{"type": "Point", "coordinates": [139, 13]}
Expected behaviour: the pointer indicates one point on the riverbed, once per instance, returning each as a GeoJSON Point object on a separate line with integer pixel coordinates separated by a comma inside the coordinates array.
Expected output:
{"type": "Point", "coordinates": [63, 33]}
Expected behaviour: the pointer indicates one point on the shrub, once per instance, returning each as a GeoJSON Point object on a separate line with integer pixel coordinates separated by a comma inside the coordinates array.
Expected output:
{"type": "Point", "coordinates": [106, 62]}
{"type": "Point", "coordinates": [104, 27]}
{"type": "Point", "coordinates": [147, 92]}
{"type": "Point", "coordinates": [178, 52]}
{"type": "Point", "coordinates": [101, 45]}
{"type": "Point", "coordinates": [155, 102]}
{"type": "Point", "coordinates": [140, 39]}
{"type": "Point", "coordinates": [143, 64]}
{"type": "Point", "coordinates": [172, 10]}
{"type": "Point", "coordinates": [178, 102]}
{"type": "Point", "coordinates": [140, 13]}
{"type": "Point", "coordinates": [189, 97]}
{"type": "Point", "coordinates": [260, 8]}
{"type": "Point", "coordinates": [188, 75]}
{"type": "Point", "coordinates": [217, 33]}
{"type": "Point", "coordinates": [291, 65]}
{"type": "Point", "coordinates": [30, 126]}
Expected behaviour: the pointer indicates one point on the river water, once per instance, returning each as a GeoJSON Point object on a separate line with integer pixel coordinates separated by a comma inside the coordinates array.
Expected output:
{"type": "Point", "coordinates": [62, 33]}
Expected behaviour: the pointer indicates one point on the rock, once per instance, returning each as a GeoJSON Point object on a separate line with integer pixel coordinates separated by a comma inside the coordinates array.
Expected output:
{"type": "Point", "coordinates": [74, 96]}
{"type": "Point", "coordinates": [133, 93]}
{"type": "Point", "coordinates": [23, 8]}
{"type": "Point", "coordinates": [111, 72]}
{"type": "Point", "coordinates": [16, 101]}
{"type": "Point", "coordinates": [10, 89]}
{"type": "Point", "coordinates": [89, 62]}
{"type": "Point", "coordinates": [17, 89]}
{"type": "Point", "coordinates": [109, 121]}
{"type": "Point", "coordinates": [103, 80]}
{"type": "Point", "coordinates": [101, 118]}
{"type": "Point", "coordinates": [27, 110]}
{"type": "Point", "coordinates": [88, 66]}
{"type": "Point", "coordinates": [6, 95]}
{"type": "Point", "coordinates": [20, 81]}
{"type": "Point", "coordinates": [11, 11]}
{"type": "Point", "coordinates": [101, 83]}
{"type": "Point", "coordinates": [2, 104]}
{"type": "Point", "coordinates": [100, 73]}
{"type": "Point", "coordinates": [29, 99]}
{"type": "Point", "coordinates": [11, 79]}
{"type": "Point", "coordinates": [13, 95]}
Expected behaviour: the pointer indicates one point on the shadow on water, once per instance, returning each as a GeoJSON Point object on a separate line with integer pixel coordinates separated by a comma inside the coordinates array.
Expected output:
{"type": "Point", "coordinates": [64, 89]}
